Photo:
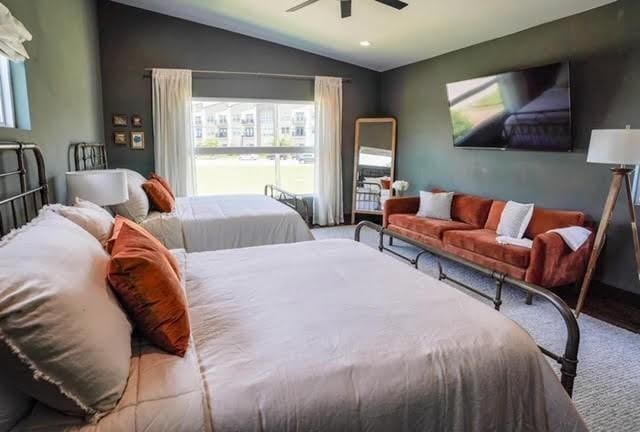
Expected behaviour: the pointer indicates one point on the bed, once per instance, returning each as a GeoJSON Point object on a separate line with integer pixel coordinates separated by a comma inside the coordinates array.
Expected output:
{"type": "Point", "coordinates": [214, 222]}
{"type": "Point", "coordinates": [330, 335]}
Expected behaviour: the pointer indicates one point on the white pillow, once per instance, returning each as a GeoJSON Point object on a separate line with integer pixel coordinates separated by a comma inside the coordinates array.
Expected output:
{"type": "Point", "coordinates": [91, 217]}
{"type": "Point", "coordinates": [136, 208]}
{"type": "Point", "coordinates": [515, 219]}
{"type": "Point", "coordinates": [435, 205]}
{"type": "Point", "coordinates": [14, 405]}
{"type": "Point", "coordinates": [64, 339]}
{"type": "Point", "coordinates": [89, 205]}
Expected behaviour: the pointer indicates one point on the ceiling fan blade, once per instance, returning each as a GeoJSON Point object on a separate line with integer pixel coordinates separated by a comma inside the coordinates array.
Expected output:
{"type": "Point", "coordinates": [301, 5]}
{"type": "Point", "coordinates": [394, 3]}
{"type": "Point", "coordinates": [345, 8]}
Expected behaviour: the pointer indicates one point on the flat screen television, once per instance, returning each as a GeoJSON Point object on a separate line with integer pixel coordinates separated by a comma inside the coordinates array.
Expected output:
{"type": "Point", "coordinates": [527, 109]}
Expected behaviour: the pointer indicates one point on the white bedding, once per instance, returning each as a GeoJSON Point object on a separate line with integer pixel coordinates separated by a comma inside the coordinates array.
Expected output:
{"type": "Point", "coordinates": [214, 222]}
{"type": "Point", "coordinates": [334, 336]}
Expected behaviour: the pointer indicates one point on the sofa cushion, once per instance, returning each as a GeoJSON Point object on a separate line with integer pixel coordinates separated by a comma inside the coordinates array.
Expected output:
{"type": "Point", "coordinates": [485, 261]}
{"type": "Point", "coordinates": [483, 242]}
{"type": "Point", "coordinates": [420, 238]}
{"type": "Point", "coordinates": [544, 220]}
{"type": "Point", "coordinates": [493, 219]}
{"type": "Point", "coordinates": [426, 226]}
{"type": "Point", "coordinates": [470, 209]}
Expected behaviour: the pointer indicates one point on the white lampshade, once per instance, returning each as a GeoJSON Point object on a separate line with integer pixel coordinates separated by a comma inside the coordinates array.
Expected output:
{"type": "Point", "coordinates": [615, 146]}
{"type": "Point", "coordinates": [102, 187]}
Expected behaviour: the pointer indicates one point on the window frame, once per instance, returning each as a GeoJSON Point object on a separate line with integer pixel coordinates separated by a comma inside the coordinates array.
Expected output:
{"type": "Point", "coordinates": [7, 114]}
{"type": "Point", "coordinates": [635, 186]}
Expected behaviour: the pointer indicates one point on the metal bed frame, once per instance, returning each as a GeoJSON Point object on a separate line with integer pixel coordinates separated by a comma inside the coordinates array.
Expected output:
{"type": "Point", "coordinates": [20, 214]}
{"type": "Point", "coordinates": [568, 361]}
{"type": "Point", "coordinates": [89, 156]}
{"type": "Point", "coordinates": [296, 202]}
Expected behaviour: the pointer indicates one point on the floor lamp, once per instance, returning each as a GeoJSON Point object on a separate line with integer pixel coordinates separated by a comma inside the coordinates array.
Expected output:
{"type": "Point", "coordinates": [619, 147]}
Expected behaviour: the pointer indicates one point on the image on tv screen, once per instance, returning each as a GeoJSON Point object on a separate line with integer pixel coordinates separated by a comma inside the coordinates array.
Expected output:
{"type": "Point", "coordinates": [527, 109]}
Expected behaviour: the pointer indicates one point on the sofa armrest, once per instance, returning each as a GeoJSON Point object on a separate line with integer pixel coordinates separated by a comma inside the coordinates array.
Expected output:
{"type": "Point", "coordinates": [399, 205]}
{"type": "Point", "coordinates": [554, 264]}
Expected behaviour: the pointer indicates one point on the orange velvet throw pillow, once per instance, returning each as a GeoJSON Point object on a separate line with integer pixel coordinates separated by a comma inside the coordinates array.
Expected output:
{"type": "Point", "coordinates": [160, 198]}
{"type": "Point", "coordinates": [144, 278]}
{"type": "Point", "coordinates": [163, 181]}
{"type": "Point", "coordinates": [121, 222]}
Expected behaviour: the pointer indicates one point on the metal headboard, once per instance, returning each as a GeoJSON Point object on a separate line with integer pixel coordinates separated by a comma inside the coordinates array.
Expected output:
{"type": "Point", "coordinates": [18, 204]}
{"type": "Point", "coordinates": [89, 156]}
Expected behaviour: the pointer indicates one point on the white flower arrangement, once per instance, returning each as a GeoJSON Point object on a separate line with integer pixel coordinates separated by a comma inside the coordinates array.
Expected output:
{"type": "Point", "coordinates": [401, 185]}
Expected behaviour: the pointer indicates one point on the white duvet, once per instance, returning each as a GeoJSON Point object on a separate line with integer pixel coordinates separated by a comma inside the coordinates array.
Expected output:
{"type": "Point", "coordinates": [334, 336]}
{"type": "Point", "coordinates": [214, 222]}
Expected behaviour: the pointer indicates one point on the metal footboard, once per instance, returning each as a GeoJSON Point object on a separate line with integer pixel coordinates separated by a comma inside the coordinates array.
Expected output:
{"type": "Point", "coordinates": [568, 361]}
{"type": "Point", "coordinates": [296, 202]}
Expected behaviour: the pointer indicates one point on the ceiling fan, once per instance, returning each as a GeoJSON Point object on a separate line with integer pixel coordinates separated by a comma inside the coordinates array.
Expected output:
{"type": "Point", "coordinates": [345, 6]}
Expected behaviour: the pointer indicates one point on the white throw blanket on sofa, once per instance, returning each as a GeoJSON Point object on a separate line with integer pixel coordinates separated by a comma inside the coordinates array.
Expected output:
{"type": "Point", "coordinates": [573, 236]}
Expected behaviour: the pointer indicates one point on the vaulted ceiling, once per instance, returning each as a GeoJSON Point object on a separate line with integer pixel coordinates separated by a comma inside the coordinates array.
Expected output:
{"type": "Point", "coordinates": [424, 29]}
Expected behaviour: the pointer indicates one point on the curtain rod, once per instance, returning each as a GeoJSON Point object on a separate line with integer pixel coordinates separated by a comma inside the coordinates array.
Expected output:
{"type": "Point", "coordinates": [260, 74]}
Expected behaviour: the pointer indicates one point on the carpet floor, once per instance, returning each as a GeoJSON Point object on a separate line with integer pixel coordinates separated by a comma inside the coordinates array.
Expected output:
{"type": "Point", "coordinates": [607, 389]}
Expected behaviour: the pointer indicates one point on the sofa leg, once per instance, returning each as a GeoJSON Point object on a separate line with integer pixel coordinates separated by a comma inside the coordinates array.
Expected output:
{"type": "Point", "coordinates": [529, 300]}
{"type": "Point", "coordinates": [390, 241]}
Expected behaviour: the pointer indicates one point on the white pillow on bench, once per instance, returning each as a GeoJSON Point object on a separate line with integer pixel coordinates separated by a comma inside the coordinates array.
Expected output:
{"type": "Point", "coordinates": [436, 205]}
{"type": "Point", "coordinates": [515, 219]}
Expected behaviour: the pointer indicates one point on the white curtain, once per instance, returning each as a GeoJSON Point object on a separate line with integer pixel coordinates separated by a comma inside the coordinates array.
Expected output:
{"type": "Point", "coordinates": [327, 202]}
{"type": "Point", "coordinates": [173, 142]}
{"type": "Point", "coordinates": [12, 35]}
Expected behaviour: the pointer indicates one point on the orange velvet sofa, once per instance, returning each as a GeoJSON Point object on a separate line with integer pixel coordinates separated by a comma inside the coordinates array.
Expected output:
{"type": "Point", "coordinates": [471, 234]}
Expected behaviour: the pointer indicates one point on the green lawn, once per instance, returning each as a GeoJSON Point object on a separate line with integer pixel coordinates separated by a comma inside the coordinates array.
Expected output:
{"type": "Point", "coordinates": [230, 175]}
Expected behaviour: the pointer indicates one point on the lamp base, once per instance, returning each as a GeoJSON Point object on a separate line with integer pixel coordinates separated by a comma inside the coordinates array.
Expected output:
{"type": "Point", "coordinates": [620, 175]}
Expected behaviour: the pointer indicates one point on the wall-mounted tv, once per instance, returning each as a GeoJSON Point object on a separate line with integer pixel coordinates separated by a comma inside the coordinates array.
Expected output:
{"type": "Point", "coordinates": [527, 109]}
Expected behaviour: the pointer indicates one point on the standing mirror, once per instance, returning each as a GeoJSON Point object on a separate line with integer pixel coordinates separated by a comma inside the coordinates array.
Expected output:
{"type": "Point", "coordinates": [375, 151]}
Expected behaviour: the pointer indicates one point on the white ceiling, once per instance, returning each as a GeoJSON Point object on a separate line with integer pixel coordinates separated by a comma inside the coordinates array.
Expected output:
{"type": "Point", "coordinates": [424, 29]}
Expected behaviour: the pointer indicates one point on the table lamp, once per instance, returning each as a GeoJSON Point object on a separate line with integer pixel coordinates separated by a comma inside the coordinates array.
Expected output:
{"type": "Point", "coordinates": [101, 187]}
{"type": "Point", "coordinates": [619, 147]}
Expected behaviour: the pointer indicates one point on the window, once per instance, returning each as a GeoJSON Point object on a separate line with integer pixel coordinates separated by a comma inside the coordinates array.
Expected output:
{"type": "Point", "coordinates": [261, 146]}
{"type": "Point", "coordinates": [198, 132]}
{"type": "Point", "coordinates": [222, 119]}
{"type": "Point", "coordinates": [6, 94]}
{"type": "Point", "coordinates": [198, 120]}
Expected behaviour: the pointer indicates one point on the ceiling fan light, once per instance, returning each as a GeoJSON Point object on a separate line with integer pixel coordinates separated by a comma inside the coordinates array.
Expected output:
{"type": "Point", "coordinates": [365, 43]}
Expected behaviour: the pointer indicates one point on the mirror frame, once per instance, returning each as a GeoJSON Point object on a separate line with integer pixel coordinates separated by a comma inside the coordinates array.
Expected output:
{"type": "Point", "coordinates": [356, 158]}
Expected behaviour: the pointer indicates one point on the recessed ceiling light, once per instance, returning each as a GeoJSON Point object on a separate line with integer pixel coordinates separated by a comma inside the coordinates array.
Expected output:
{"type": "Point", "coordinates": [365, 43]}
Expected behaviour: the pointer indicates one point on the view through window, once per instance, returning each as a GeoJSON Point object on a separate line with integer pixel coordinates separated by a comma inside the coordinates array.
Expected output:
{"type": "Point", "coordinates": [243, 145]}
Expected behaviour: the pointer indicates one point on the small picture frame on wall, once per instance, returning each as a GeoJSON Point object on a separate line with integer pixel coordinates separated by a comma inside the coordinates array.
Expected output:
{"type": "Point", "coordinates": [136, 121]}
{"type": "Point", "coordinates": [120, 120]}
{"type": "Point", "coordinates": [137, 140]}
{"type": "Point", "coordinates": [120, 138]}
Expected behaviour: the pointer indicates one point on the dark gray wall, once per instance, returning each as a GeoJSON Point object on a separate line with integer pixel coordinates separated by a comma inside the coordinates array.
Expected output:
{"type": "Point", "coordinates": [604, 47]}
{"type": "Point", "coordinates": [132, 39]}
{"type": "Point", "coordinates": [63, 79]}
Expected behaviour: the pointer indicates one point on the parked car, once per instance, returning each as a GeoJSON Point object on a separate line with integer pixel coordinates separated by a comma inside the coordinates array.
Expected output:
{"type": "Point", "coordinates": [306, 158]}
{"type": "Point", "coordinates": [248, 156]}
